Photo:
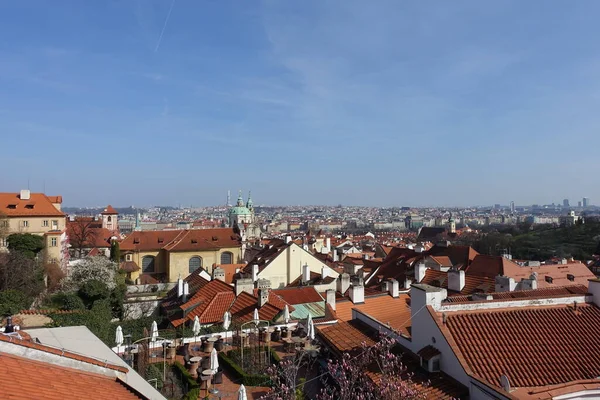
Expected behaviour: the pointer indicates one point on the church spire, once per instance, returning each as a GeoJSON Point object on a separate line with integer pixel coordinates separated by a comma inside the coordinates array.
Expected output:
{"type": "Point", "coordinates": [249, 204]}
{"type": "Point", "coordinates": [240, 201]}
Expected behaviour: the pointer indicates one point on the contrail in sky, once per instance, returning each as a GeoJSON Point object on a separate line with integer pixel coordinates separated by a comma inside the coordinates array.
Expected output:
{"type": "Point", "coordinates": [164, 26]}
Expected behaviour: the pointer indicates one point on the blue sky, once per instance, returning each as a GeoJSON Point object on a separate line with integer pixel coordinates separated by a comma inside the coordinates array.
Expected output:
{"type": "Point", "coordinates": [311, 102]}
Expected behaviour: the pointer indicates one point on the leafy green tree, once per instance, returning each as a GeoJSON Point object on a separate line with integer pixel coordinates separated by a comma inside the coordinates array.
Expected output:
{"type": "Point", "coordinates": [92, 291]}
{"type": "Point", "coordinates": [115, 252]}
{"type": "Point", "coordinates": [12, 301]}
{"type": "Point", "coordinates": [26, 243]}
{"type": "Point", "coordinates": [21, 273]}
{"type": "Point", "coordinates": [68, 301]}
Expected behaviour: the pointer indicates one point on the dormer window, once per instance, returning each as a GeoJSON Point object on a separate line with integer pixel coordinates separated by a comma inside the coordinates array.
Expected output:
{"type": "Point", "coordinates": [136, 240]}
{"type": "Point", "coordinates": [430, 358]}
{"type": "Point", "coordinates": [161, 240]}
{"type": "Point", "coordinates": [571, 277]}
{"type": "Point", "coordinates": [29, 206]}
{"type": "Point", "coordinates": [12, 206]}
{"type": "Point", "coordinates": [548, 279]}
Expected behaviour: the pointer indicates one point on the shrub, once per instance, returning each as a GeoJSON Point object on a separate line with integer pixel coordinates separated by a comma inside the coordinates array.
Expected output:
{"type": "Point", "coordinates": [92, 291]}
{"type": "Point", "coordinates": [67, 301]}
{"type": "Point", "coordinates": [193, 389]}
{"type": "Point", "coordinates": [240, 375]}
{"type": "Point", "coordinates": [13, 301]}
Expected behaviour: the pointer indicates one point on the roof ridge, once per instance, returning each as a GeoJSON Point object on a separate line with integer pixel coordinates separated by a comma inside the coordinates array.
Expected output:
{"type": "Point", "coordinates": [61, 352]}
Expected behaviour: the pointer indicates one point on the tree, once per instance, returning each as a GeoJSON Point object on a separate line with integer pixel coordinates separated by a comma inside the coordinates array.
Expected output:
{"type": "Point", "coordinates": [91, 268]}
{"type": "Point", "coordinates": [21, 273]}
{"type": "Point", "coordinates": [12, 301]}
{"type": "Point", "coordinates": [82, 234]}
{"type": "Point", "coordinates": [67, 301]}
{"type": "Point", "coordinates": [26, 243]}
{"type": "Point", "coordinates": [375, 373]}
{"type": "Point", "coordinates": [285, 379]}
{"type": "Point", "coordinates": [4, 225]}
{"type": "Point", "coordinates": [92, 291]}
{"type": "Point", "coordinates": [115, 252]}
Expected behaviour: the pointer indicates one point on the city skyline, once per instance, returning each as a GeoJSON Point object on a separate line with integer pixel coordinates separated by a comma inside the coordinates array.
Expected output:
{"type": "Point", "coordinates": [324, 103]}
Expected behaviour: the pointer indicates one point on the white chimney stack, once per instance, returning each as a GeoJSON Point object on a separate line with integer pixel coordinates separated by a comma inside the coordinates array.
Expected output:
{"type": "Point", "coordinates": [25, 194]}
{"type": "Point", "coordinates": [305, 273]}
{"type": "Point", "coordinates": [420, 270]}
{"type": "Point", "coordinates": [263, 297]}
{"type": "Point", "coordinates": [328, 244]}
{"type": "Point", "coordinates": [394, 288]}
{"type": "Point", "coordinates": [324, 272]}
{"type": "Point", "coordinates": [186, 289]}
{"type": "Point", "coordinates": [254, 272]}
{"type": "Point", "coordinates": [456, 280]}
{"type": "Point", "coordinates": [343, 283]}
{"type": "Point", "coordinates": [179, 287]}
{"type": "Point", "coordinates": [330, 293]}
{"type": "Point", "coordinates": [288, 238]}
{"type": "Point", "coordinates": [357, 294]}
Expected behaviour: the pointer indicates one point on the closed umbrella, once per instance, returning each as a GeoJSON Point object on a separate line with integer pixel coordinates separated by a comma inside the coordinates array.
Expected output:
{"type": "Point", "coordinates": [256, 317]}
{"type": "Point", "coordinates": [286, 314]}
{"type": "Point", "coordinates": [226, 320]}
{"type": "Point", "coordinates": [310, 328]}
{"type": "Point", "coordinates": [119, 336]}
{"type": "Point", "coordinates": [214, 360]}
{"type": "Point", "coordinates": [196, 327]}
{"type": "Point", "coordinates": [242, 393]}
{"type": "Point", "coordinates": [154, 334]}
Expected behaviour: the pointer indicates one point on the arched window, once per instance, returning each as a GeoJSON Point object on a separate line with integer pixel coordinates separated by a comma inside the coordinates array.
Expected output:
{"type": "Point", "coordinates": [226, 258]}
{"type": "Point", "coordinates": [148, 264]}
{"type": "Point", "coordinates": [109, 218]}
{"type": "Point", "coordinates": [195, 263]}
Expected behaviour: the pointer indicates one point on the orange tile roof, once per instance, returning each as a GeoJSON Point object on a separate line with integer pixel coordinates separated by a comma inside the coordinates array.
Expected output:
{"type": "Point", "coordinates": [55, 199]}
{"type": "Point", "coordinates": [38, 205]}
{"type": "Point", "coordinates": [24, 378]}
{"type": "Point", "coordinates": [148, 240]}
{"type": "Point", "coordinates": [473, 284]}
{"type": "Point", "coordinates": [93, 236]}
{"type": "Point", "coordinates": [565, 291]}
{"type": "Point", "coordinates": [534, 346]}
{"type": "Point", "coordinates": [229, 270]}
{"type": "Point", "coordinates": [444, 261]}
{"type": "Point", "coordinates": [344, 337]}
{"type": "Point", "coordinates": [243, 307]}
{"type": "Point", "coordinates": [384, 308]}
{"type": "Point", "coordinates": [205, 239]}
{"type": "Point", "coordinates": [299, 295]}
{"type": "Point", "coordinates": [109, 210]}
{"type": "Point", "coordinates": [52, 350]}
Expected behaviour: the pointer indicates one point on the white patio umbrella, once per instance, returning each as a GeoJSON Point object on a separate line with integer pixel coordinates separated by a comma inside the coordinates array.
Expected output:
{"type": "Point", "coordinates": [154, 334]}
{"type": "Point", "coordinates": [256, 317]}
{"type": "Point", "coordinates": [310, 328]}
{"type": "Point", "coordinates": [119, 336]}
{"type": "Point", "coordinates": [286, 314]}
{"type": "Point", "coordinates": [242, 393]}
{"type": "Point", "coordinates": [196, 327]}
{"type": "Point", "coordinates": [226, 320]}
{"type": "Point", "coordinates": [214, 360]}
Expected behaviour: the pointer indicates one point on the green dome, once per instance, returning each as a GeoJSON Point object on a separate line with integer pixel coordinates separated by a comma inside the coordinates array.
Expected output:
{"type": "Point", "coordinates": [239, 210]}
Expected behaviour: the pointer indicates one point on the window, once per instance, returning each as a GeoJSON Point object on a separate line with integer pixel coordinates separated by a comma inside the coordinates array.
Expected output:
{"type": "Point", "coordinates": [195, 263]}
{"type": "Point", "coordinates": [25, 224]}
{"type": "Point", "coordinates": [45, 223]}
{"type": "Point", "coordinates": [226, 258]}
{"type": "Point", "coordinates": [53, 242]}
{"type": "Point", "coordinates": [109, 219]}
{"type": "Point", "coordinates": [3, 224]}
{"type": "Point", "coordinates": [3, 242]}
{"type": "Point", "coordinates": [128, 257]}
{"type": "Point", "coordinates": [147, 264]}
{"type": "Point", "coordinates": [54, 224]}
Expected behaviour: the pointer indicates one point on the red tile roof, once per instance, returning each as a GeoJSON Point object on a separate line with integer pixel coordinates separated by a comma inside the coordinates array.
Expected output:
{"type": "Point", "coordinates": [490, 266]}
{"type": "Point", "coordinates": [299, 295]}
{"type": "Point", "coordinates": [148, 240]}
{"type": "Point", "coordinates": [384, 308]}
{"type": "Point", "coordinates": [109, 210]}
{"type": "Point", "coordinates": [566, 291]}
{"type": "Point", "coordinates": [535, 346]}
{"type": "Point", "coordinates": [243, 307]}
{"type": "Point", "coordinates": [38, 205]}
{"type": "Point", "coordinates": [473, 284]}
{"type": "Point", "coordinates": [443, 261]}
{"type": "Point", "coordinates": [205, 239]}
{"type": "Point", "coordinates": [24, 378]}
{"type": "Point", "coordinates": [230, 270]}
{"type": "Point", "coordinates": [344, 337]}
{"type": "Point", "coordinates": [129, 266]}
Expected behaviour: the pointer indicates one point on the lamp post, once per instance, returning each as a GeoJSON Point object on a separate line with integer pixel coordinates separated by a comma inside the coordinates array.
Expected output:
{"type": "Point", "coordinates": [128, 355]}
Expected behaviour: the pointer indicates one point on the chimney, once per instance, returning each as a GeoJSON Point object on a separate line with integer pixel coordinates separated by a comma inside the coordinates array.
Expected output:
{"type": "Point", "coordinates": [330, 297]}
{"type": "Point", "coordinates": [328, 244]}
{"type": "Point", "coordinates": [334, 256]}
{"type": "Point", "coordinates": [244, 285]}
{"type": "Point", "coordinates": [25, 194]}
{"type": "Point", "coordinates": [305, 273]}
{"type": "Point", "coordinates": [594, 290]}
{"type": "Point", "coordinates": [425, 295]}
{"type": "Point", "coordinates": [324, 272]}
{"type": "Point", "coordinates": [254, 272]}
{"type": "Point", "coordinates": [288, 239]}
{"type": "Point", "coordinates": [343, 283]}
{"type": "Point", "coordinates": [456, 280]}
{"type": "Point", "coordinates": [357, 294]}
{"type": "Point", "coordinates": [263, 297]}
{"type": "Point", "coordinates": [394, 288]}
{"type": "Point", "coordinates": [9, 328]}
{"type": "Point", "coordinates": [384, 286]}
{"type": "Point", "coordinates": [365, 256]}
{"type": "Point", "coordinates": [420, 270]}
{"type": "Point", "coordinates": [219, 273]}
{"type": "Point", "coordinates": [504, 284]}
{"type": "Point", "coordinates": [179, 287]}
{"type": "Point", "coordinates": [186, 291]}
{"type": "Point", "coordinates": [407, 282]}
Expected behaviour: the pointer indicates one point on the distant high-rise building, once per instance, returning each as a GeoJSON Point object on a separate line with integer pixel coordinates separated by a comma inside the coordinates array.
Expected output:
{"type": "Point", "coordinates": [586, 201]}
{"type": "Point", "coordinates": [579, 204]}
{"type": "Point", "coordinates": [566, 203]}
{"type": "Point", "coordinates": [512, 206]}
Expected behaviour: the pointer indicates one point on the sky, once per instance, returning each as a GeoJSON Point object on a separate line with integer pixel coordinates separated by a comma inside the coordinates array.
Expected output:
{"type": "Point", "coordinates": [383, 103]}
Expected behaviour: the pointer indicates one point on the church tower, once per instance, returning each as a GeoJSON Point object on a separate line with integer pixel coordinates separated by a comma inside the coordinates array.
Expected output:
{"type": "Point", "coordinates": [109, 218]}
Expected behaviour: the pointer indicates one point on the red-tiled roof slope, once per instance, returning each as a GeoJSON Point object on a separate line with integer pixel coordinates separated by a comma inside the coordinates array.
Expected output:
{"type": "Point", "coordinates": [109, 210]}
{"type": "Point", "coordinates": [38, 205]}
{"type": "Point", "coordinates": [384, 308]}
{"type": "Point", "coordinates": [148, 240]}
{"type": "Point", "coordinates": [473, 284]}
{"type": "Point", "coordinates": [299, 295]}
{"type": "Point", "coordinates": [490, 266]}
{"type": "Point", "coordinates": [24, 378]}
{"type": "Point", "coordinates": [536, 346]}
{"type": "Point", "coordinates": [205, 239]}
{"type": "Point", "coordinates": [459, 255]}
{"type": "Point", "coordinates": [344, 337]}
{"type": "Point", "coordinates": [243, 307]}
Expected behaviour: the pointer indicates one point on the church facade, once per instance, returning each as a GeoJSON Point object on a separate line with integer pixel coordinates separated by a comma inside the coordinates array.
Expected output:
{"type": "Point", "coordinates": [242, 216]}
